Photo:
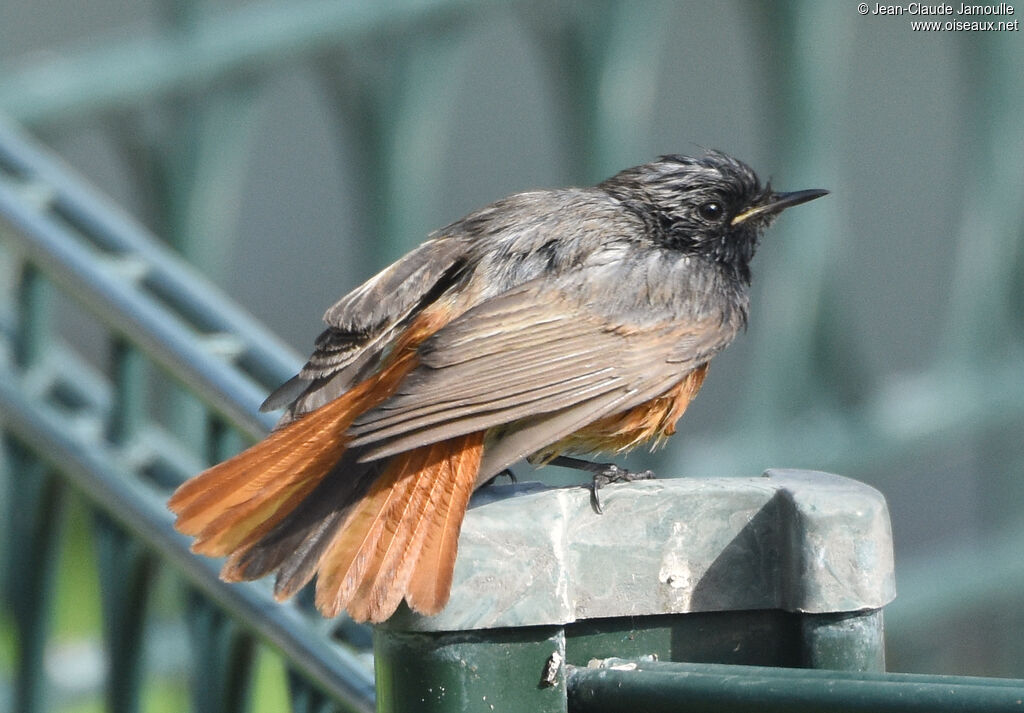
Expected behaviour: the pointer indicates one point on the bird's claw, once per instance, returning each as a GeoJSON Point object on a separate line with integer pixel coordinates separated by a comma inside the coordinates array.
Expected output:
{"type": "Point", "coordinates": [611, 473]}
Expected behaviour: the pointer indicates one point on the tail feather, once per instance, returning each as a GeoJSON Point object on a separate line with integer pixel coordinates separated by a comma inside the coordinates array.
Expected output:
{"type": "Point", "coordinates": [396, 560]}
{"type": "Point", "coordinates": [239, 526]}
{"type": "Point", "coordinates": [377, 551]}
{"type": "Point", "coordinates": [293, 545]}
{"type": "Point", "coordinates": [234, 503]}
{"type": "Point", "coordinates": [298, 568]}
{"type": "Point", "coordinates": [301, 504]}
{"type": "Point", "coordinates": [347, 556]}
{"type": "Point", "coordinates": [285, 458]}
{"type": "Point", "coordinates": [400, 525]}
{"type": "Point", "coordinates": [431, 580]}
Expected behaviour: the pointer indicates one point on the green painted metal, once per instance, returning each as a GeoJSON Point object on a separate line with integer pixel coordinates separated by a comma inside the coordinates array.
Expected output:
{"type": "Point", "coordinates": [66, 423]}
{"type": "Point", "coordinates": [417, 139]}
{"type": "Point", "coordinates": [845, 642]}
{"type": "Point", "coordinates": [989, 236]}
{"type": "Point", "coordinates": [129, 381]}
{"type": "Point", "coordinates": [223, 655]}
{"type": "Point", "coordinates": [34, 315]}
{"type": "Point", "coordinates": [602, 87]}
{"type": "Point", "coordinates": [795, 541]}
{"type": "Point", "coordinates": [523, 669]}
{"type": "Point", "coordinates": [807, 79]}
{"type": "Point", "coordinates": [137, 504]}
{"type": "Point", "coordinates": [491, 670]}
{"type": "Point", "coordinates": [787, 569]}
{"type": "Point", "coordinates": [850, 642]}
{"type": "Point", "coordinates": [93, 253]}
{"type": "Point", "coordinates": [757, 637]}
{"type": "Point", "coordinates": [623, 97]}
{"type": "Point", "coordinates": [34, 519]}
{"type": "Point", "coordinates": [35, 506]}
{"type": "Point", "coordinates": [619, 685]}
{"type": "Point", "coordinates": [307, 698]}
{"type": "Point", "coordinates": [126, 577]}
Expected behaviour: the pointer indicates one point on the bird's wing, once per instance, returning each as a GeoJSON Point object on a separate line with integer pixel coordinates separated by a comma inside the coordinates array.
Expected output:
{"type": "Point", "coordinates": [534, 355]}
{"type": "Point", "coordinates": [363, 322]}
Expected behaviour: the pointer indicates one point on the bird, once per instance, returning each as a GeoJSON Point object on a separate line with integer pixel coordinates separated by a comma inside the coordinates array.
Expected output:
{"type": "Point", "coordinates": [548, 325]}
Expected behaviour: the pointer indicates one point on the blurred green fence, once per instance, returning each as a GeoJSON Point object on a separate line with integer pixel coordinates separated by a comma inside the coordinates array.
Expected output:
{"type": "Point", "coordinates": [168, 373]}
{"type": "Point", "coordinates": [72, 428]}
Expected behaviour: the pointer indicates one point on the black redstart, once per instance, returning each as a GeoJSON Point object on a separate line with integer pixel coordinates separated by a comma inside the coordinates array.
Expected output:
{"type": "Point", "coordinates": [548, 324]}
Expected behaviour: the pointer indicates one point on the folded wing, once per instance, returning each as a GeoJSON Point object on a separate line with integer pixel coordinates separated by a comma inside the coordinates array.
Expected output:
{"type": "Point", "coordinates": [537, 365]}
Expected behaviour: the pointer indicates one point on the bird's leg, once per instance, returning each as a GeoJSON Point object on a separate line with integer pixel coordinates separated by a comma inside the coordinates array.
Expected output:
{"type": "Point", "coordinates": [507, 473]}
{"type": "Point", "coordinates": [604, 473]}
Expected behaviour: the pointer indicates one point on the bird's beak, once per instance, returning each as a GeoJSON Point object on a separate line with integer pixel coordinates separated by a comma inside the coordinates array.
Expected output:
{"type": "Point", "coordinates": [779, 202]}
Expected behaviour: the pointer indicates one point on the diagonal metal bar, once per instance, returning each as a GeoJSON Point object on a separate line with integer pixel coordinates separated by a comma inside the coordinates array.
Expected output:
{"type": "Point", "coordinates": [98, 472]}
{"type": "Point", "coordinates": [142, 291]}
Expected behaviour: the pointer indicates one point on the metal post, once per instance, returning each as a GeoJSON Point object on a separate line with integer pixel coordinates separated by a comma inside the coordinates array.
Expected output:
{"type": "Point", "coordinates": [789, 569]}
{"type": "Point", "coordinates": [510, 669]}
{"type": "Point", "coordinates": [847, 642]}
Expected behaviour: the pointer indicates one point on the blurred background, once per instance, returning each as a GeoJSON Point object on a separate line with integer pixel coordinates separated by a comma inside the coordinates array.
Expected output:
{"type": "Point", "coordinates": [289, 150]}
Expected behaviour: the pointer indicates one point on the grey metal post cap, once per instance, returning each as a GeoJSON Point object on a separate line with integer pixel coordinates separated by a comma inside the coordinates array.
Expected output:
{"type": "Point", "coordinates": [799, 541]}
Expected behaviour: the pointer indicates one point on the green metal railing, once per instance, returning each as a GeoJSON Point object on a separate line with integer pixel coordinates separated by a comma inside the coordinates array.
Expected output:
{"type": "Point", "coordinates": [619, 684]}
{"type": "Point", "coordinates": [64, 420]}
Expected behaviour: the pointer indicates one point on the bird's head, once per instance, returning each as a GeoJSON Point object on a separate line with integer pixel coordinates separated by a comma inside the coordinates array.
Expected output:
{"type": "Point", "coordinates": [712, 205]}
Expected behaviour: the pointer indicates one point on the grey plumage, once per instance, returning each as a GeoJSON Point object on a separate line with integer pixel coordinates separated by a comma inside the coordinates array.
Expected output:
{"type": "Point", "coordinates": [548, 322]}
{"type": "Point", "coordinates": [632, 250]}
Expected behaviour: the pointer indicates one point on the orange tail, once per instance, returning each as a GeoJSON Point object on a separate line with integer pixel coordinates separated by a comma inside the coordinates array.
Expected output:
{"type": "Point", "coordinates": [233, 504]}
{"type": "Point", "coordinates": [262, 507]}
{"type": "Point", "coordinates": [400, 539]}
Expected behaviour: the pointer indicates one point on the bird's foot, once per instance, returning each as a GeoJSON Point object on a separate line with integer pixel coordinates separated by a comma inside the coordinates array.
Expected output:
{"type": "Point", "coordinates": [612, 473]}
{"type": "Point", "coordinates": [604, 474]}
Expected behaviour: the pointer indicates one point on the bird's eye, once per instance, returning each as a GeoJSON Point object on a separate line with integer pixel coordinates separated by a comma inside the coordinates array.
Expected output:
{"type": "Point", "coordinates": [711, 211]}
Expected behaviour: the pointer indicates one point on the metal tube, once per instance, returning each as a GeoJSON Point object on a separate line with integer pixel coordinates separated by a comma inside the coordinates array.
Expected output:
{"type": "Point", "coordinates": [655, 686]}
